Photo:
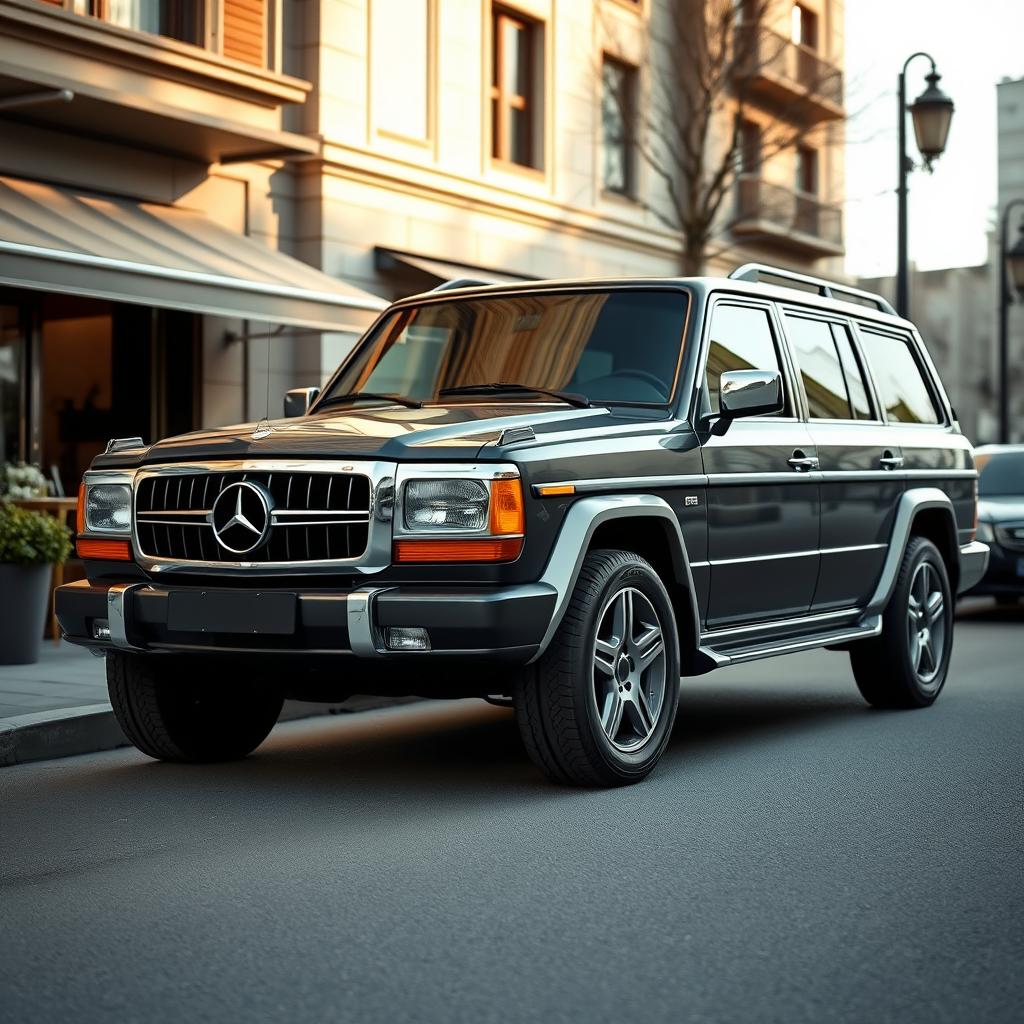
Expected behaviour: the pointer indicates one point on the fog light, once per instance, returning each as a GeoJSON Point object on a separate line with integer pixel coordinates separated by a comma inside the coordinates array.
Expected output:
{"type": "Point", "coordinates": [100, 629]}
{"type": "Point", "coordinates": [406, 638]}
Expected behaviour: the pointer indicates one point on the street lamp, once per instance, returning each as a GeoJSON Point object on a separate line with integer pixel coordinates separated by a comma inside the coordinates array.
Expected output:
{"type": "Point", "coordinates": [932, 113]}
{"type": "Point", "coordinates": [1011, 275]}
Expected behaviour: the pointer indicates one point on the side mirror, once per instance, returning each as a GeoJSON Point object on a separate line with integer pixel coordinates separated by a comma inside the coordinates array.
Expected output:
{"type": "Point", "coordinates": [298, 400]}
{"type": "Point", "coordinates": [750, 393]}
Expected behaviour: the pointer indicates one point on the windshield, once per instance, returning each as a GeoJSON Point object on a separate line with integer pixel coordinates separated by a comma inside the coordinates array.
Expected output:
{"type": "Point", "coordinates": [1001, 474]}
{"type": "Point", "coordinates": [618, 347]}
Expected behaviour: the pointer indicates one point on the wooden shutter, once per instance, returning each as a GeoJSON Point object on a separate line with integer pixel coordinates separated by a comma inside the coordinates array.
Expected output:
{"type": "Point", "coordinates": [245, 30]}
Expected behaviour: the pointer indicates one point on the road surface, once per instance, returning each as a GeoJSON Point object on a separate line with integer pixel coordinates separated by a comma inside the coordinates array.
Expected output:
{"type": "Point", "coordinates": [796, 857]}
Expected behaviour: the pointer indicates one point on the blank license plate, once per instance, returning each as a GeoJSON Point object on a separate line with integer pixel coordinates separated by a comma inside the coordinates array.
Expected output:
{"type": "Point", "coordinates": [231, 611]}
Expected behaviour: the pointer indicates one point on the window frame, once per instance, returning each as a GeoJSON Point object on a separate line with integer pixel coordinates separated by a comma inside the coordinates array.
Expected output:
{"type": "Point", "coordinates": [792, 394]}
{"type": "Point", "coordinates": [499, 144]}
{"type": "Point", "coordinates": [924, 368]}
{"type": "Point", "coordinates": [874, 401]}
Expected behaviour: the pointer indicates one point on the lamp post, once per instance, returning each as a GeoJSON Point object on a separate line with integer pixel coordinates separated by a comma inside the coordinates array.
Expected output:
{"type": "Point", "coordinates": [1011, 274]}
{"type": "Point", "coordinates": [932, 113]}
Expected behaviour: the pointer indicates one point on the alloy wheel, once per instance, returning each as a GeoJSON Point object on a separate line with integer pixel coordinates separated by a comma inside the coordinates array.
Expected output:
{"type": "Point", "coordinates": [629, 669]}
{"type": "Point", "coordinates": [926, 624]}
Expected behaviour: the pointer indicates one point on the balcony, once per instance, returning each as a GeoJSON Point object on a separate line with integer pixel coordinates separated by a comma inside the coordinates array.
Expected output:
{"type": "Point", "coordinates": [773, 215]}
{"type": "Point", "coordinates": [145, 90]}
{"type": "Point", "coordinates": [792, 79]}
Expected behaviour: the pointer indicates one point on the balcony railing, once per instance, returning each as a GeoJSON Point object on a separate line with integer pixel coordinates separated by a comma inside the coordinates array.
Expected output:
{"type": "Point", "coordinates": [797, 220]}
{"type": "Point", "coordinates": [791, 76]}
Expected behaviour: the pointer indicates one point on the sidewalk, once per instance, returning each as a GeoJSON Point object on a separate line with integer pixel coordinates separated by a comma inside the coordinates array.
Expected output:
{"type": "Point", "coordinates": [58, 707]}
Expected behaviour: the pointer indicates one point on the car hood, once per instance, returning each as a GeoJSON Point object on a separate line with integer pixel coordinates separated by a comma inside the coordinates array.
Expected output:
{"type": "Point", "coordinates": [1001, 508]}
{"type": "Point", "coordinates": [454, 431]}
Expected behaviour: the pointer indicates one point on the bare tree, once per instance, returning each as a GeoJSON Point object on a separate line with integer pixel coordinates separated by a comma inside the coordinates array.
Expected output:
{"type": "Point", "coordinates": [686, 123]}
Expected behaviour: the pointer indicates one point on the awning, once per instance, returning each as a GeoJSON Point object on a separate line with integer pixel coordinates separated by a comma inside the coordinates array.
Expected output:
{"type": "Point", "coordinates": [55, 239]}
{"type": "Point", "coordinates": [390, 260]}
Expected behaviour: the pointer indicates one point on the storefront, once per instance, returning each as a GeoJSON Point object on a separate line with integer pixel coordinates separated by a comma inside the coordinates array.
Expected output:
{"type": "Point", "coordinates": [116, 314]}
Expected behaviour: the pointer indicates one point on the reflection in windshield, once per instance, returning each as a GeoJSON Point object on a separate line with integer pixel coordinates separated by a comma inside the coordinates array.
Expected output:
{"type": "Point", "coordinates": [618, 346]}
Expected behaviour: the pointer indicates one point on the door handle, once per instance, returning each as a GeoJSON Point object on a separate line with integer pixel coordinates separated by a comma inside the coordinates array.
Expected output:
{"type": "Point", "coordinates": [890, 461]}
{"type": "Point", "coordinates": [801, 462]}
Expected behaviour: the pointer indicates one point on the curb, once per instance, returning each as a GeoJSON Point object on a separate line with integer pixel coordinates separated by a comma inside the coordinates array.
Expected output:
{"type": "Point", "coordinates": [65, 732]}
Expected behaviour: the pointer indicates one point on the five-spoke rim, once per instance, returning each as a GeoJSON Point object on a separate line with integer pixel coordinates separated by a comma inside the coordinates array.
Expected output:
{"type": "Point", "coordinates": [629, 669]}
{"type": "Point", "coordinates": [926, 623]}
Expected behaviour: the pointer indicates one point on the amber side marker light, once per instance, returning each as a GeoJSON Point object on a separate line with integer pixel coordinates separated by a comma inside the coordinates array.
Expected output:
{"type": "Point", "coordinates": [482, 549]}
{"type": "Point", "coordinates": [554, 490]}
{"type": "Point", "coordinates": [80, 510]}
{"type": "Point", "coordinates": [108, 550]}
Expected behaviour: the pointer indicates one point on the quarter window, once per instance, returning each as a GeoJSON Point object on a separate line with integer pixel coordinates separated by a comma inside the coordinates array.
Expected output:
{"type": "Point", "coordinates": [741, 339]}
{"type": "Point", "coordinates": [901, 385]}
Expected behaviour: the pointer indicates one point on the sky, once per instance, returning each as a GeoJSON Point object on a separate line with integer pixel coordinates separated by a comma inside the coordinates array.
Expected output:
{"type": "Point", "coordinates": [975, 45]}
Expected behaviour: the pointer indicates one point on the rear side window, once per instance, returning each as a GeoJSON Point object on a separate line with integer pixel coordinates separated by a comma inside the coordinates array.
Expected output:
{"type": "Point", "coordinates": [820, 368]}
{"type": "Point", "coordinates": [898, 377]}
{"type": "Point", "coordinates": [741, 339]}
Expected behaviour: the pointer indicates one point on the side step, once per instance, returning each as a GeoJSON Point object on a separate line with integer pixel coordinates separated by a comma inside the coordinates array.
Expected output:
{"type": "Point", "coordinates": [735, 653]}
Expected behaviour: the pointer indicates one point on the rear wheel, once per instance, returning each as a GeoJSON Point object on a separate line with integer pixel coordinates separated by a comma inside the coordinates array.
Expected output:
{"type": "Point", "coordinates": [597, 709]}
{"type": "Point", "coordinates": [906, 666]}
{"type": "Point", "coordinates": [178, 708]}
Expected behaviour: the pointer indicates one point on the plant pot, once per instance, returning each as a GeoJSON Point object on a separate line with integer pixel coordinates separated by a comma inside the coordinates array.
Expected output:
{"type": "Point", "coordinates": [24, 602]}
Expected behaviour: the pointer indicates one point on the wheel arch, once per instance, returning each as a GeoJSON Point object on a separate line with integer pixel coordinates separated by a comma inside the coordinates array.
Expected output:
{"type": "Point", "coordinates": [921, 511]}
{"type": "Point", "coordinates": [625, 521]}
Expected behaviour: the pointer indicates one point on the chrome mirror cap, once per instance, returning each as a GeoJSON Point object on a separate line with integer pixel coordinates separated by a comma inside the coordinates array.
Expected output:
{"type": "Point", "coordinates": [298, 400]}
{"type": "Point", "coordinates": [750, 393]}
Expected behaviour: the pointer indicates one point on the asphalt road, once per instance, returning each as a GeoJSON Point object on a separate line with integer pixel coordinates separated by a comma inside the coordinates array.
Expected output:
{"type": "Point", "coordinates": [796, 857]}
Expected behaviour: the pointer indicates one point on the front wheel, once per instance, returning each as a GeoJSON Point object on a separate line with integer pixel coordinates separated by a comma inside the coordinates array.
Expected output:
{"type": "Point", "coordinates": [181, 708]}
{"type": "Point", "coordinates": [597, 708]}
{"type": "Point", "coordinates": [906, 666]}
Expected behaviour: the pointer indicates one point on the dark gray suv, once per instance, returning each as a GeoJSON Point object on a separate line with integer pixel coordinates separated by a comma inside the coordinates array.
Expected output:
{"type": "Point", "coordinates": [564, 496]}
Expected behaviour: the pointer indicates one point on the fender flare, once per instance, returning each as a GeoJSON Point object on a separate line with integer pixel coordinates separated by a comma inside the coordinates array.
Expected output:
{"type": "Point", "coordinates": [578, 528]}
{"type": "Point", "coordinates": [910, 504]}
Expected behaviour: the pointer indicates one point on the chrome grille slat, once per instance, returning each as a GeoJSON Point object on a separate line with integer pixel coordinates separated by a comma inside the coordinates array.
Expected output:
{"type": "Point", "coordinates": [173, 515]}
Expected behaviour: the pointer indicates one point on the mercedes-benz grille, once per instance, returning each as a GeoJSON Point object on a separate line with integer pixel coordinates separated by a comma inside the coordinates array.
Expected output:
{"type": "Point", "coordinates": [312, 516]}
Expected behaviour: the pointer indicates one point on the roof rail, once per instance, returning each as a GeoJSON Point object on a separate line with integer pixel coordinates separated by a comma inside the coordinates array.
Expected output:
{"type": "Point", "coordinates": [460, 282]}
{"type": "Point", "coordinates": [828, 289]}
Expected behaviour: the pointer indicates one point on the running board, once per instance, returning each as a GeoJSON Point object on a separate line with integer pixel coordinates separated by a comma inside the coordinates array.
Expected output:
{"type": "Point", "coordinates": [870, 627]}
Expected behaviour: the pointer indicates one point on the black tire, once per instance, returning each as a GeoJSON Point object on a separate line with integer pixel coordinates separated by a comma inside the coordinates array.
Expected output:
{"type": "Point", "coordinates": [556, 699]}
{"type": "Point", "coordinates": [180, 708]}
{"type": "Point", "coordinates": [894, 670]}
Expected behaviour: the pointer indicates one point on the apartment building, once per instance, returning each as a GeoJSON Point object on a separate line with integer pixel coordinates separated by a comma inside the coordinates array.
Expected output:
{"type": "Point", "coordinates": [203, 202]}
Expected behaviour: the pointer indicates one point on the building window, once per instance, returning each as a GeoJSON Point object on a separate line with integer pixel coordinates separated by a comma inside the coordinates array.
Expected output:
{"type": "Point", "coordinates": [807, 170]}
{"type": "Point", "coordinates": [748, 152]}
{"type": "Point", "coordinates": [804, 27]}
{"type": "Point", "coordinates": [618, 122]}
{"type": "Point", "coordinates": [401, 67]}
{"type": "Point", "coordinates": [516, 95]}
{"type": "Point", "coordinates": [177, 19]}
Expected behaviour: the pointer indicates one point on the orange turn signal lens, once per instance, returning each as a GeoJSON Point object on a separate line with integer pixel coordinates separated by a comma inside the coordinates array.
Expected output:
{"type": "Point", "coordinates": [108, 550]}
{"type": "Point", "coordinates": [80, 510]}
{"type": "Point", "coordinates": [554, 490]}
{"type": "Point", "coordinates": [475, 550]}
{"type": "Point", "coordinates": [507, 515]}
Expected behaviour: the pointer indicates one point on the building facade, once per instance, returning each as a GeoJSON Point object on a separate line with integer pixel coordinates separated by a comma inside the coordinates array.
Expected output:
{"type": "Point", "coordinates": [203, 202]}
{"type": "Point", "coordinates": [1010, 153]}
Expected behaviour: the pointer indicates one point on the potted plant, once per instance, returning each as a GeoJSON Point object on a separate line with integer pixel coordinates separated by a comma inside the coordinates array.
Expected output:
{"type": "Point", "coordinates": [30, 544]}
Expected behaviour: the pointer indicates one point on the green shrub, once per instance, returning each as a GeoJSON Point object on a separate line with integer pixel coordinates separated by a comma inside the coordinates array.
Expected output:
{"type": "Point", "coordinates": [30, 538]}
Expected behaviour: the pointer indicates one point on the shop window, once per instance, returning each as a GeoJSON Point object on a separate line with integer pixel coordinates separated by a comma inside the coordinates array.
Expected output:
{"type": "Point", "coordinates": [12, 410]}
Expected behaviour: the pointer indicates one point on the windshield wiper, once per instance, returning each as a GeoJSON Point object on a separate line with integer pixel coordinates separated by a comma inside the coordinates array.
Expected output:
{"type": "Point", "coordinates": [356, 396]}
{"type": "Point", "coordinates": [579, 401]}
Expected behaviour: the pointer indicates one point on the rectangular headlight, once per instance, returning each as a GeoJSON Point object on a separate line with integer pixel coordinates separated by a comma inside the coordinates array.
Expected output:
{"type": "Point", "coordinates": [432, 506]}
{"type": "Point", "coordinates": [108, 508]}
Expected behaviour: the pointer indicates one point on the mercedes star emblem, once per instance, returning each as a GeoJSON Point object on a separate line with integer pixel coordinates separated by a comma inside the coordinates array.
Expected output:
{"type": "Point", "coordinates": [241, 517]}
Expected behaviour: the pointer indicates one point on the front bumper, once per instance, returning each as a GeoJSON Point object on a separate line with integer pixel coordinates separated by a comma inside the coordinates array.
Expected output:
{"type": "Point", "coordinates": [502, 623]}
{"type": "Point", "coordinates": [1003, 574]}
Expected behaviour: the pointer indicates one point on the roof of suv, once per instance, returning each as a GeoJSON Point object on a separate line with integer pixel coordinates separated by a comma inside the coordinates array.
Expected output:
{"type": "Point", "coordinates": [826, 295]}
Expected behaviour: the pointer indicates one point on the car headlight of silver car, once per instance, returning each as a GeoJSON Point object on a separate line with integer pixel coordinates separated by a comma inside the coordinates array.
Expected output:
{"type": "Point", "coordinates": [108, 507]}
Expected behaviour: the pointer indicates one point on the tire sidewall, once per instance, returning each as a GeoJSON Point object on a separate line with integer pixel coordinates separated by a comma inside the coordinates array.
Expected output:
{"type": "Point", "coordinates": [637, 574]}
